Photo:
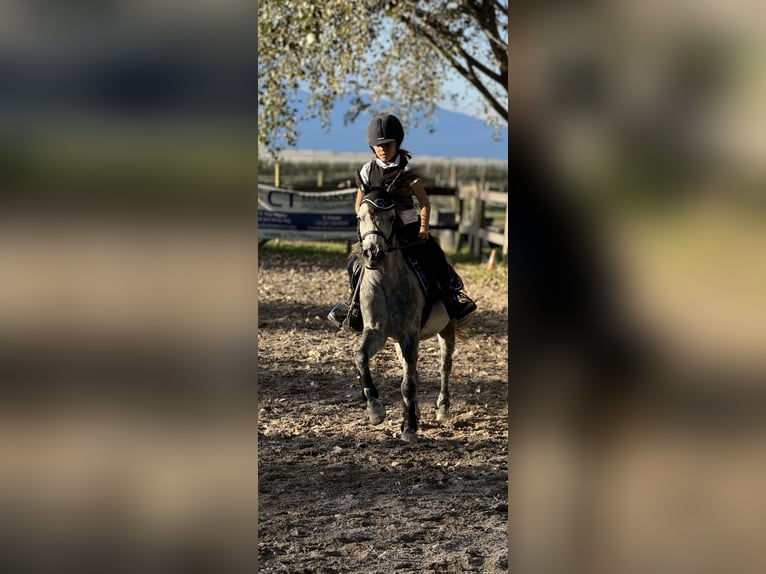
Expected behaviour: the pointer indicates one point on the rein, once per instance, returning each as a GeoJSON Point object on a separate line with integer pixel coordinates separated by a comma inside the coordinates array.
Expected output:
{"type": "Point", "coordinates": [390, 245]}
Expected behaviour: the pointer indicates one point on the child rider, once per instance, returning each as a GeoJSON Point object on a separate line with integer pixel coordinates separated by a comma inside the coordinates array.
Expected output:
{"type": "Point", "coordinates": [391, 170]}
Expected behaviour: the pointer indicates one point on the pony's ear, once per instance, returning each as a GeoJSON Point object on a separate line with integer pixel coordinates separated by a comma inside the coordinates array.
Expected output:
{"type": "Point", "coordinates": [379, 201]}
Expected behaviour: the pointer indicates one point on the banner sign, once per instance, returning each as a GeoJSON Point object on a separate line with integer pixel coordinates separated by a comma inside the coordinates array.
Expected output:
{"type": "Point", "coordinates": [319, 215]}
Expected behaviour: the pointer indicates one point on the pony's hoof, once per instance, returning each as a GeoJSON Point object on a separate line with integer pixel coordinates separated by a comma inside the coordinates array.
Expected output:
{"type": "Point", "coordinates": [377, 412]}
{"type": "Point", "coordinates": [442, 414]}
{"type": "Point", "coordinates": [410, 437]}
{"type": "Point", "coordinates": [376, 419]}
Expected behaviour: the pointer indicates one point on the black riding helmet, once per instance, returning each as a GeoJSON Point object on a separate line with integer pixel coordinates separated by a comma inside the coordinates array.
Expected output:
{"type": "Point", "coordinates": [385, 128]}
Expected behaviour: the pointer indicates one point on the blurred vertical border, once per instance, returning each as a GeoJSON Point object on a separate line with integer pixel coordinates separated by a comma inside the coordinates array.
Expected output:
{"type": "Point", "coordinates": [128, 164]}
{"type": "Point", "coordinates": [638, 293]}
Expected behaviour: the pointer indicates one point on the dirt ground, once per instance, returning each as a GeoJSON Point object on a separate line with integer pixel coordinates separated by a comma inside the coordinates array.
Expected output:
{"type": "Point", "coordinates": [337, 494]}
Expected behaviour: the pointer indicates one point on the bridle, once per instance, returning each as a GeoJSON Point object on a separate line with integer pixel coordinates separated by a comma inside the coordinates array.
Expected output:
{"type": "Point", "coordinates": [380, 199]}
{"type": "Point", "coordinates": [383, 205]}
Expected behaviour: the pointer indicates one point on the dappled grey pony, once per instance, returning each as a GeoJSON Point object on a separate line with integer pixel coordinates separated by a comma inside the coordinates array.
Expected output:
{"type": "Point", "coordinates": [392, 304]}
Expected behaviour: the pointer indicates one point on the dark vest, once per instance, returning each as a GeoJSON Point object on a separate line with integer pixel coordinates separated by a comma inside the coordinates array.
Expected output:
{"type": "Point", "coordinates": [383, 178]}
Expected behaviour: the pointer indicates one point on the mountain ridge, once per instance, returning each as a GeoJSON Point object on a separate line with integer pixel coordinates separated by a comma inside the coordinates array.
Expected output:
{"type": "Point", "coordinates": [454, 135]}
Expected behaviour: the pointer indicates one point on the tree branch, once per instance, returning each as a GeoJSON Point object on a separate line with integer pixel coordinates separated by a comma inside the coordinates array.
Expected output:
{"type": "Point", "coordinates": [468, 71]}
{"type": "Point", "coordinates": [430, 24]}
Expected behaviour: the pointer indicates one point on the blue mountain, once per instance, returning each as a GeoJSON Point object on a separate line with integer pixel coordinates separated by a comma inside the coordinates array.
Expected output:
{"type": "Point", "coordinates": [454, 135]}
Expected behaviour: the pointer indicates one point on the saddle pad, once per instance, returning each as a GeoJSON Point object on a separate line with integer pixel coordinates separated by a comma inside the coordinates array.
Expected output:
{"type": "Point", "coordinates": [426, 286]}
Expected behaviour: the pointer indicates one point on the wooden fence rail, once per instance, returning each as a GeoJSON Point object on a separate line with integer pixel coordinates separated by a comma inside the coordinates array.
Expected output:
{"type": "Point", "coordinates": [462, 220]}
{"type": "Point", "coordinates": [473, 227]}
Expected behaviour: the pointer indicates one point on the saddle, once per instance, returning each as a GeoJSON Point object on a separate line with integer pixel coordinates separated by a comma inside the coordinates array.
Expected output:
{"type": "Point", "coordinates": [427, 283]}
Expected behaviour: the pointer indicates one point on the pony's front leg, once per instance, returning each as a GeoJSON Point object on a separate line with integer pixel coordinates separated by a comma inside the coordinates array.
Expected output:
{"type": "Point", "coordinates": [407, 350]}
{"type": "Point", "coordinates": [372, 342]}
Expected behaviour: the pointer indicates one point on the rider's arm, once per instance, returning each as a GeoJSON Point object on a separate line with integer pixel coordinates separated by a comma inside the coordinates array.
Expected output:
{"type": "Point", "coordinates": [358, 202]}
{"type": "Point", "coordinates": [425, 208]}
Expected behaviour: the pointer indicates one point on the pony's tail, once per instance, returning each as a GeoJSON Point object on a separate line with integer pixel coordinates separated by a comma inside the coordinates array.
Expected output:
{"type": "Point", "coordinates": [461, 326]}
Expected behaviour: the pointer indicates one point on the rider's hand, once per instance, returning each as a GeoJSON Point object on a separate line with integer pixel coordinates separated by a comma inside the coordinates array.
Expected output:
{"type": "Point", "coordinates": [423, 235]}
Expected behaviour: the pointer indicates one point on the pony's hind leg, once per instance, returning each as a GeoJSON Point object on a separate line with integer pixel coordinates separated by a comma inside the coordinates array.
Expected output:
{"type": "Point", "coordinates": [407, 350]}
{"type": "Point", "coordinates": [447, 349]}
{"type": "Point", "coordinates": [372, 342]}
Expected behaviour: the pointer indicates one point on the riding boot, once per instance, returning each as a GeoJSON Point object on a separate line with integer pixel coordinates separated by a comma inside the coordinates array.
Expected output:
{"type": "Point", "coordinates": [342, 310]}
{"type": "Point", "coordinates": [355, 312]}
{"type": "Point", "coordinates": [458, 304]}
{"type": "Point", "coordinates": [456, 301]}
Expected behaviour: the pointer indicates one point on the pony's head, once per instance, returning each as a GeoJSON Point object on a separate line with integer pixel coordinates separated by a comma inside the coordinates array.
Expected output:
{"type": "Point", "coordinates": [376, 219]}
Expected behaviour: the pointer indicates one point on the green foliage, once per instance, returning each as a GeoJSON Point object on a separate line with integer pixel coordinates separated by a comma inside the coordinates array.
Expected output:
{"type": "Point", "coordinates": [475, 273]}
{"type": "Point", "coordinates": [401, 50]}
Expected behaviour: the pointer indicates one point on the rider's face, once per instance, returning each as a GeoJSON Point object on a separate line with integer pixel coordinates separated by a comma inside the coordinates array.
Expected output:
{"type": "Point", "coordinates": [385, 152]}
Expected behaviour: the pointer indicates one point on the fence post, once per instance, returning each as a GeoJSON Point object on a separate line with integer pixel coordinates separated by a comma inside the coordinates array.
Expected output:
{"type": "Point", "coordinates": [320, 178]}
{"type": "Point", "coordinates": [461, 215]}
{"type": "Point", "coordinates": [276, 174]}
{"type": "Point", "coordinates": [477, 216]}
{"type": "Point", "coordinates": [457, 209]}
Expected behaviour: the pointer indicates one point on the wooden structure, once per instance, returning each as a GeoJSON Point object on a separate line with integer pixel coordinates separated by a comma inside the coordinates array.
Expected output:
{"type": "Point", "coordinates": [463, 222]}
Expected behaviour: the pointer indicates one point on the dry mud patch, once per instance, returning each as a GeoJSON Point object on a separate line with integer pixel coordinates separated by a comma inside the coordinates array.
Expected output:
{"type": "Point", "coordinates": [339, 495]}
